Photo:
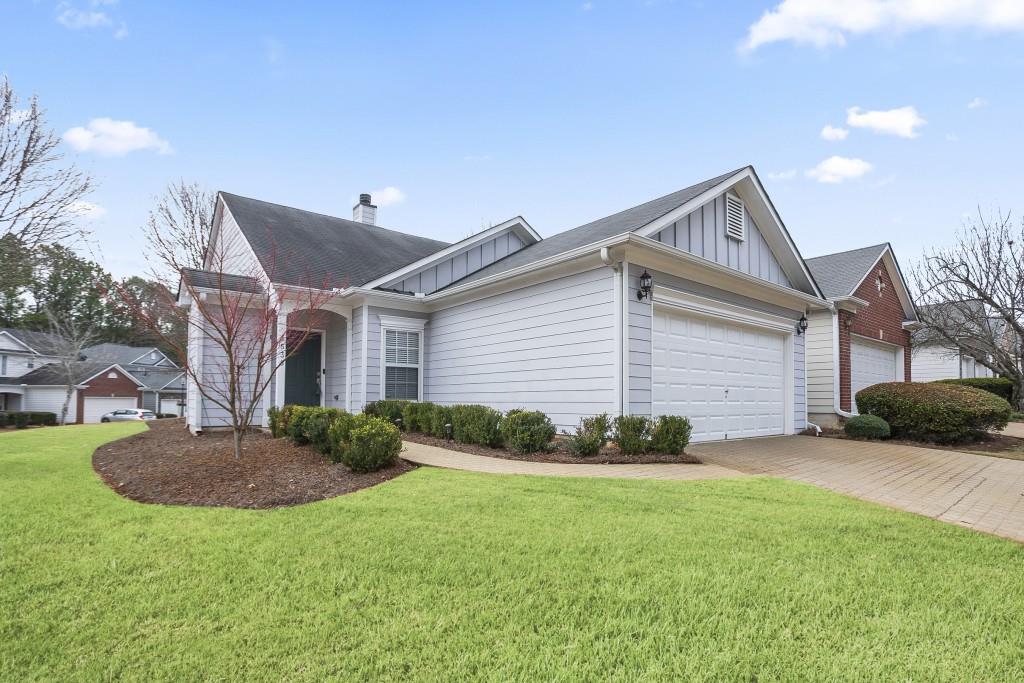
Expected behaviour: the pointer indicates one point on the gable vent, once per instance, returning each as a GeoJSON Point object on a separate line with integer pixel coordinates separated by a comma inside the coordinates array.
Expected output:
{"type": "Point", "coordinates": [734, 223]}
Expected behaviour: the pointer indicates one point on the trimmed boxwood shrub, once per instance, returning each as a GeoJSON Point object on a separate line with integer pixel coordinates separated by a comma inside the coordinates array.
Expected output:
{"type": "Point", "coordinates": [944, 413]}
{"type": "Point", "coordinates": [590, 436]}
{"type": "Point", "coordinates": [373, 444]}
{"type": "Point", "coordinates": [867, 427]}
{"type": "Point", "coordinates": [338, 433]}
{"type": "Point", "coordinates": [21, 420]}
{"type": "Point", "coordinates": [1000, 386]}
{"type": "Point", "coordinates": [390, 410]}
{"type": "Point", "coordinates": [633, 434]}
{"type": "Point", "coordinates": [296, 429]}
{"type": "Point", "coordinates": [316, 424]}
{"type": "Point", "coordinates": [3, 420]}
{"type": "Point", "coordinates": [526, 431]}
{"type": "Point", "coordinates": [274, 421]}
{"type": "Point", "coordinates": [28, 417]}
{"type": "Point", "coordinates": [476, 424]}
{"type": "Point", "coordinates": [279, 427]}
{"type": "Point", "coordinates": [670, 434]}
{"type": "Point", "coordinates": [437, 417]}
{"type": "Point", "coordinates": [416, 416]}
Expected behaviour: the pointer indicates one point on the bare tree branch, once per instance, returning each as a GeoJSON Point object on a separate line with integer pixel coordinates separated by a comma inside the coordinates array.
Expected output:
{"type": "Point", "coordinates": [40, 195]}
{"type": "Point", "coordinates": [178, 230]}
{"type": "Point", "coordinates": [71, 339]}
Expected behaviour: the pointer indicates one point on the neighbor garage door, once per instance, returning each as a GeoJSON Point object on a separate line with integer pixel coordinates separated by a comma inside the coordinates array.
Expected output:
{"type": "Point", "coordinates": [870, 363]}
{"type": "Point", "coordinates": [727, 378]}
{"type": "Point", "coordinates": [97, 406]}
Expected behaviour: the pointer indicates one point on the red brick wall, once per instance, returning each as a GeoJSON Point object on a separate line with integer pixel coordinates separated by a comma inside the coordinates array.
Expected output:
{"type": "Point", "coordinates": [881, 320]}
{"type": "Point", "coordinates": [101, 385]}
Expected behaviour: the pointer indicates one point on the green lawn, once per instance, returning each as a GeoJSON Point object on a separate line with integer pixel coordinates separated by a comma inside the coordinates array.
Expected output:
{"type": "Point", "coordinates": [444, 575]}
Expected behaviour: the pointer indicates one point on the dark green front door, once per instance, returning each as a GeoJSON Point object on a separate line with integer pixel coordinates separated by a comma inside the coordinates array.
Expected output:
{"type": "Point", "coordinates": [302, 375]}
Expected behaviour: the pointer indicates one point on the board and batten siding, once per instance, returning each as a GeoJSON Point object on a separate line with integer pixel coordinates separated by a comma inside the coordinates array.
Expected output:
{"type": "Point", "coordinates": [702, 233]}
{"type": "Point", "coordinates": [638, 336]}
{"type": "Point", "coordinates": [458, 266]}
{"type": "Point", "coordinates": [547, 347]}
{"type": "Point", "coordinates": [821, 370]}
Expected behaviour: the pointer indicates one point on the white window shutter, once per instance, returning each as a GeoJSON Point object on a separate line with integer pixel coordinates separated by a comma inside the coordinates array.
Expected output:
{"type": "Point", "coordinates": [735, 223]}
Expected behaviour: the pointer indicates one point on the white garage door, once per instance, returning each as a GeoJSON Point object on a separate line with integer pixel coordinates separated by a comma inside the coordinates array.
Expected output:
{"type": "Point", "coordinates": [170, 406]}
{"type": "Point", "coordinates": [870, 364]}
{"type": "Point", "coordinates": [97, 406]}
{"type": "Point", "coordinates": [727, 378]}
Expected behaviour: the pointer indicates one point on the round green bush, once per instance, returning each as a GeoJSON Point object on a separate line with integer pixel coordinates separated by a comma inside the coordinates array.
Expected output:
{"type": "Point", "coordinates": [416, 416]}
{"type": "Point", "coordinates": [296, 429]}
{"type": "Point", "coordinates": [943, 413]}
{"type": "Point", "coordinates": [670, 434]}
{"type": "Point", "coordinates": [867, 427]}
{"type": "Point", "coordinates": [476, 424]}
{"type": "Point", "coordinates": [527, 431]}
{"type": "Point", "coordinates": [338, 434]}
{"type": "Point", "coordinates": [21, 420]}
{"type": "Point", "coordinates": [633, 434]}
{"type": "Point", "coordinates": [1000, 386]}
{"type": "Point", "coordinates": [437, 418]}
{"type": "Point", "coordinates": [390, 409]}
{"type": "Point", "coordinates": [590, 436]}
{"type": "Point", "coordinates": [372, 446]}
{"type": "Point", "coordinates": [315, 427]}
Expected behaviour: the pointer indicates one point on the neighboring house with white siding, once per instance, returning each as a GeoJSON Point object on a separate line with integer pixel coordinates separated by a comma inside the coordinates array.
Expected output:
{"type": "Point", "coordinates": [935, 358]}
{"type": "Point", "coordinates": [865, 338]}
{"type": "Point", "coordinates": [690, 304]}
{"type": "Point", "coordinates": [108, 377]}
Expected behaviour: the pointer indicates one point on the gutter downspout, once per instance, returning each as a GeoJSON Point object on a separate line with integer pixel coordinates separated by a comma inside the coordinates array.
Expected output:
{"type": "Point", "coordinates": [835, 363]}
{"type": "Point", "coordinates": [616, 267]}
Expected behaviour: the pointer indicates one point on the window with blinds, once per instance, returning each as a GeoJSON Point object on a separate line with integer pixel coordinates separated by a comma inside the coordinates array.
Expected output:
{"type": "Point", "coordinates": [401, 364]}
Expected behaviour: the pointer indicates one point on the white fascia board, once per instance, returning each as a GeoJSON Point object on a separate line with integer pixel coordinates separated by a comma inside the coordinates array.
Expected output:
{"type": "Point", "coordinates": [762, 210]}
{"type": "Point", "coordinates": [524, 231]}
{"type": "Point", "coordinates": [756, 285]}
{"type": "Point", "coordinates": [902, 292]}
{"type": "Point", "coordinates": [122, 370]}
{"type": "Point", "coordinates": [18, 341]}
{"type": "Point", "coordinates": [849, 303]}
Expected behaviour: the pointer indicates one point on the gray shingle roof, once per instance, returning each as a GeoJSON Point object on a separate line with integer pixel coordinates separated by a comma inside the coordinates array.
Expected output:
{"type": "Point", "coordinates": [155, 379]}
{"type": "Point", "coordinates": [839, 274]}
{"type": "Point", "coordinates": [42, 342]}
{"type": "Point", "coordinates": [207, 279]}
{"type": "Point", "coordinates": [595, 231]}
{"type": "Point", "coordinates": [122, 354]}
{"type": "Point", "coordinates": [52, 374]}
{"type": "Point", "coordinates": [310, 249]}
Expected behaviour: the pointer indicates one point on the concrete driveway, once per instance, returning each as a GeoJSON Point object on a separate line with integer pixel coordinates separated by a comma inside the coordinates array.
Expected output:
{"type": "Point", "coordinates": [1015, 429]}
{"type": "Point", "coordinates": [975, 491]}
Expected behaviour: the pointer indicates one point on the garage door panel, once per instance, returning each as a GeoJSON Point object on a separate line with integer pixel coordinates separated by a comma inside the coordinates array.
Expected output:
{"type": "Point", "coordinates": [94, 407]}
{"type": "Point", "coordinates": [871, 364]}
{"type": "Point", "coordinates": [728, 379]}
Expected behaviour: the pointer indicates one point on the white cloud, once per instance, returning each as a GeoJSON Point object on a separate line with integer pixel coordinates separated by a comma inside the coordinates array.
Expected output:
{"type": "Point", "coordinates": [833, 133]}
{"type": "Point", "coordinates": [108, 137]}
{"type": "Point", "coordinates": [388, 196]}
{"type": "Point", "coordinates": [88, 210]}
{"type": "Point", "coordinates": [902, 122]}
{"type": "Point", "coordinates": [837, 169]}
{"type": "Point", "coordinates": [788, 174]}
{"type": "Point", "coordinates": [77, 19]}
{"type": "Point", "coordinates": [977, 103]}
{"type": "Point", "coordinates": [822, 23]}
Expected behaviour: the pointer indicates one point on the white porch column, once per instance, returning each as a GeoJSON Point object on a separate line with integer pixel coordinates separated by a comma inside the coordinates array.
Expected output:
{"type": "Point", "coordinates": [280, 353]}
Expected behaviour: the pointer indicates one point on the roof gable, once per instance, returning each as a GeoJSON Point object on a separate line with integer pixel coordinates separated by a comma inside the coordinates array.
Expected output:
{"type": "Point", "coordinates": [124, 354]}
{"type": "Point", "coordinates": [303, 248]}
{"type": "Point", "coordinates": [840, 275]}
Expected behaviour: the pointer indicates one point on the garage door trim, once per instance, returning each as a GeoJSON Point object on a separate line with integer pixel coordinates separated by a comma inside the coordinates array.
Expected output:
{"type": "Point", "coordinates": [899, 360]}
{"type": "Point", "coordinates": [691, 304]}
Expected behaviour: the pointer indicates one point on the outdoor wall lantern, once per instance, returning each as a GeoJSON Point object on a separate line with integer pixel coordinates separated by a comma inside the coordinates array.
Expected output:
{"type": "Point", "coordinates": [801, 326]}
{"type": "Point", "coordinates": [646, 284]}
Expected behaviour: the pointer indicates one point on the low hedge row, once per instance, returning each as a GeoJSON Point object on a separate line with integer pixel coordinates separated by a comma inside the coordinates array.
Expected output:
{"type": "Point", "coordinates": [24, 418]}
{"type": "Point", "coordinates": [1000, 386]}
{"type": "Point", "coordinates": [363, 443]}
{"type": "Point", "coordinates": [939, 412]}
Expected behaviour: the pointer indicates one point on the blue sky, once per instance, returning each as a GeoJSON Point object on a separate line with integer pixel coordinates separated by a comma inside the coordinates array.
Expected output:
{"type": "Point", "coordinates": [559, 111]}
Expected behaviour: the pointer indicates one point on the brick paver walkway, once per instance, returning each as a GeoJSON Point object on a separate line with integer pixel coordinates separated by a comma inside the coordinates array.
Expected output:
{"type": "Point", "coordinates": [442, 457]}
{"type": "Point", "coordinates": [976, 491]}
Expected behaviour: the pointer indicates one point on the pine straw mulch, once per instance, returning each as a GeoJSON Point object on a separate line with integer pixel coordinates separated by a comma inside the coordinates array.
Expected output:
{"type": "Point", "coordinates": [609, 455]}
{"type": "Point", "coordinates": [167, 464]}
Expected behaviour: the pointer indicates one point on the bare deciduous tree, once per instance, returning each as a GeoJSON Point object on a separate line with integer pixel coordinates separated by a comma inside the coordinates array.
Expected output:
{"type": "Point", "coordinates": [40, 194]}
{"type": "Point", "coordinates": [235, 340]}
{"type": "Point", "coordinates": [178, 230]}
{"type": "Point", "coordinates": [971, 295]}
{"type": "Point", "coordinates": [71, 338]}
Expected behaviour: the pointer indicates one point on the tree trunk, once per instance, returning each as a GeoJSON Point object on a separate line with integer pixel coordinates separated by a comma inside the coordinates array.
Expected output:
{"type": "Point", "coordinates": [1018, 402]}
{"type": "Point", "coordinates": [64, 408]}
{"type": "Point", "coordinates": [237, 434]}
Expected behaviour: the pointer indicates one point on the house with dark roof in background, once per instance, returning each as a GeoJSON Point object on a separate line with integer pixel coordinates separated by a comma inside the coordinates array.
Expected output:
{"type": "Point", "coordinates": [107, 377]}
{"type": "Point", "coordinates": [865, 338]}
{"type": "Point", "coordinates": [937, 358]}
{"type": "Point", "coordinates": [690, 304]}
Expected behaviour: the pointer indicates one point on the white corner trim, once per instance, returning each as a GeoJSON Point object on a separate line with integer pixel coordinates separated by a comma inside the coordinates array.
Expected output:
{"type": "Point", "coordinates": [366, 347]}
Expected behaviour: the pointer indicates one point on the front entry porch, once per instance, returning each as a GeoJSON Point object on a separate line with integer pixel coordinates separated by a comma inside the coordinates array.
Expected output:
{"type": "Point", "coordinates": [315, 373]}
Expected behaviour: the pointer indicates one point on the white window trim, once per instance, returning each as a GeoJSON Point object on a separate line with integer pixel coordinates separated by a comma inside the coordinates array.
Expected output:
{"type": "Point", "coordinates": [399, 324]}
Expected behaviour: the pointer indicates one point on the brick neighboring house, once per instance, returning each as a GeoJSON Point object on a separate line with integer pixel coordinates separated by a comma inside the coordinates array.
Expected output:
{"type": "Point", "coordinates": [99, 387]}
{"type": "Point", "coordinates": [866, 339]}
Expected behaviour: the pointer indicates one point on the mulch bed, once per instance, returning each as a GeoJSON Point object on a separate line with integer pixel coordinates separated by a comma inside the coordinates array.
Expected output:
{"type": "Point", "coordinates": [166, 464]}
{"type": "Point", "coordinates": [559, 453]}
{"type": "Point", "coordinates": [994, 444]}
